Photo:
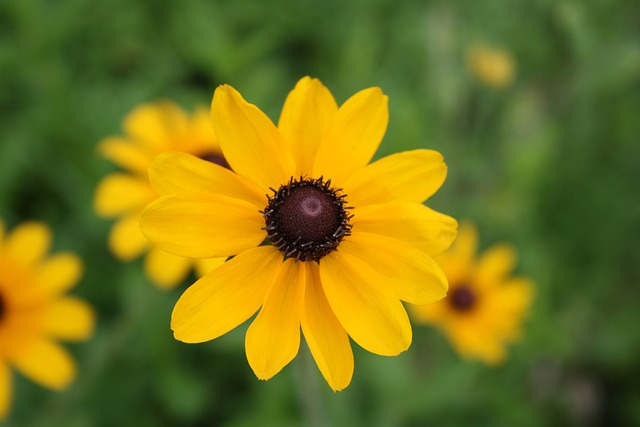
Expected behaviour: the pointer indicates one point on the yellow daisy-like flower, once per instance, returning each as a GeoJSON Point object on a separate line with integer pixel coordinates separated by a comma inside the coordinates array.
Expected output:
{"type": "Point", "coordinates": [320, 239]}
{"type": "Point", "coordinates": [151, 129]}
{"type": "Point", "coordinates": [491, 65]}
{"type": "Point", "coordinates": [485, 306]}
{"type": "Point", "coordinates": [34, 312]}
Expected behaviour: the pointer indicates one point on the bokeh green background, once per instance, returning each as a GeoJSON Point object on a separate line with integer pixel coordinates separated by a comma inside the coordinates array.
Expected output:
{"type": "Point", "coordinates": [550, 163]}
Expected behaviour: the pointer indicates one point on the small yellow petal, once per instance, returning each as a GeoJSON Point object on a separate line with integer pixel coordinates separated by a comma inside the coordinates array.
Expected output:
{"type": "Point", "coordinates": [353, 136]}
{"type": "Point", "coordinates": [495, 264]}
{"type": "Point", "coordinates": [152, 125]}
{"type": "Point", "coordinates": [273, 338]}
{"type": "Point", "coordinates": [46, 363]}
{"type": "Point", "coordinates": [175, 172]}
{"type": "Point", "coordinates": [118, 193]}
{"type": "Point", "coordinates": [458, 262]}
{"type": "Point", "coordinates": [410, 176]}
{"type": "Point", "coordinates": [226, 297]}
{"type": "Point", "coordinates": [250, 142]}
{"type": "Point", "coordinates": [413, 223]}
{"type": "Point", "coordinates": [327, 339]}
{"type": "Point", "coordinates": [68, 318]}
{"type": "Point", "coordinates": [166, 270]}
{"type": "Point", "coordinates": [58, 273]}
{"type": "Point", "coordinates": [126, 155]}
{"type": "Point", "coordinates": [305, 117]}
{"type": "Point", "coordinates": [202, 226]}
{"type": "Point", "coordinates": [125, 239]}
{"type": "Point", "coordinates": [370, 313]}
{"type": "Point", "coordinates": [410, 273]}
{"type": "Point", "coordinates": [6, 389]}
{"type": "Point", "coordinates": [28, 243]}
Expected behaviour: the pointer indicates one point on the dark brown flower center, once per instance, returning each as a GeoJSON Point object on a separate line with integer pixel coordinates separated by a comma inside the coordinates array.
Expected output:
{"type": "Point", "coordinates": [306, 219]}
{"type": "Point", "coordinates": [462, 298]}
{"type": "Point", "coordinates": [215, 157]}
{"type": "Point", "coordinates": [2, 307]}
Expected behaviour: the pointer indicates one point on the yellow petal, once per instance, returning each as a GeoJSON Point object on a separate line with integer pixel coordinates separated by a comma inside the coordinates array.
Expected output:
{"type": "Point", "coordinates": [370, 313]}
{"type": "Point", "coordinates": [125, 239]}
{"type": "Point", "coordinates": [166, 270]}
{"type": "Point", "coordinates": [495, 264]}
{"type": "Point", "coordinates": [410, 176]}
{"type": "Point", "coordinates": [28, 242]}
{"type": "Point", "coordinates": [68, 318]}
{"type": "Point", "coordinates": [6, 389]}
{"type": "Point", "coordinates": [46, 363]}
{"type": "Point", "coordinates": [175, 172]}
{"type": "Point", "coordinates": [126, 155]}
{"type": "Point", "coordinates": [273, 338]}
{"type": "Point", "coordinates": [353, 136]}
{"type": "Point", "coordinates": [59, 273]}
{"type": "Point", "coordinates": [202, 226]}
{"type": "Point", "coordinates": [152, 125]}
{"type": "Point", "coordinates": [305, 117]}
{"type": "Point", "coordinates": [251, 143]}
{"type": "Point", "coordinates": [459, 261]}
{"type": "Point", "coordinates": [207, 265]}
{"type": "Point", "coordinates": [411, 274]}
{"type": "Point", "coordinates": [327, 339]}
{"type": "Point", "coordinates": [413, 223]}
{"type": "Point", "coordinates": [118, 193]}
{"type": "Point", "coordinates": [226, 297]}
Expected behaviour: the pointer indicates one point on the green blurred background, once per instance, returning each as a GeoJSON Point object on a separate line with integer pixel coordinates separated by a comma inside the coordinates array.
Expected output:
{"type": "Point", "coordinates": [550, 163]}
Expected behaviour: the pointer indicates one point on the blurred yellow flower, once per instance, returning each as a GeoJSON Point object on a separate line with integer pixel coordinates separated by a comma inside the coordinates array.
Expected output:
{"type": "Point", "coordinates": [491, 65]}
{"type": "Point", "coordinates": [485, 305]}
{"type": "Point", "coordinates": [151, 129]}
{"type": "Point", "coordinates": [345, 241]}
{"type": "Point", "coordinates": [34, 312]}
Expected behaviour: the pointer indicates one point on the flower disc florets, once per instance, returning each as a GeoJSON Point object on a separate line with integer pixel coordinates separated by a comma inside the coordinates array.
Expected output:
{"type": "Point", "coordinates": [306, 219]}
{"type": "Point", "coordinates": [462, 298]}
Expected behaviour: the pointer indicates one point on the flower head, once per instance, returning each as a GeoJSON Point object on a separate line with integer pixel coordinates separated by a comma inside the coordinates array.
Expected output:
{"type": "Point", "coordinates": [485, 305]}
{"type": "Point", "coordinates": [491, 65]}
{"type": "Point", "coordinates": [34, 312]}
{"type": "Point", "coordinates": [151, 129]}
{"type": "Point", "coordinates": [321, 240]}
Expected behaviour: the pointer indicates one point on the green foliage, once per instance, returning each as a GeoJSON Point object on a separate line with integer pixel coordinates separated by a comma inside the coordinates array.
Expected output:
{"type": "Point", "coordinates": [550, 163]}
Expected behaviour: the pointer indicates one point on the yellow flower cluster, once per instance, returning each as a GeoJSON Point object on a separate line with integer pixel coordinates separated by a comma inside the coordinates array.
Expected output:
{"type": "Point", "coordinates": [151, 129]}
{"type": "Point", "coordinates": [35, 312]}
{"type": "Point", "coordinates": [485, 306]}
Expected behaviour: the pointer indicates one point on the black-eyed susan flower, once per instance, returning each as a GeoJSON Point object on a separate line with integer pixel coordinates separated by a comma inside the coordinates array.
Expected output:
{"type": "Point", "coordinates": [321, 240]}
{"type": "Point", "coordinates": [485, 306]}
{"type": "Point", "coordinates": [492, 66]}
{"type": "Point", "coordinates": [151, 129]}
{"type": "Point", "coordinates": [35, 313]}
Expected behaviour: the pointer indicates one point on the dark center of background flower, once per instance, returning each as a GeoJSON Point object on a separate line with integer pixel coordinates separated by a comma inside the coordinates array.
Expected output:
{"type": "Point", "coordinates": [215, 157]}
{"type": "Point", "coordinates": [2, 307]}
{"type": "Point", "coordinates": [462, 298]}
{"type": "Point", "coordinates": [306, 219]}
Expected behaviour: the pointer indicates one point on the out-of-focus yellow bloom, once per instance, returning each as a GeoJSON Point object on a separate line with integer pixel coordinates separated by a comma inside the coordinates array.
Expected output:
{"type": "Point", "coordinates": [485, 306]}
{"type": "Point", "coordinates": [151, 129]}
{"type": "Point", "coordinates": [34, 312]}
{"type": "Point", "coordinates": [491, 65]}
{"type": "Point", "coordinates": [348, 240]}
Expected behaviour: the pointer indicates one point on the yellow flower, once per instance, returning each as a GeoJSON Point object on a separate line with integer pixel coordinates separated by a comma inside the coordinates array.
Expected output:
{"type": "Point", "coordinates": [485, 305]}
{"type": "Point", "coordinates": [492, 66]}
{"type": "Point", "coordinates": [34, 311]}
{"type": "Point", "coordinates": [320, 240]}
{"type": "Point", "coordinates": [151, 129]}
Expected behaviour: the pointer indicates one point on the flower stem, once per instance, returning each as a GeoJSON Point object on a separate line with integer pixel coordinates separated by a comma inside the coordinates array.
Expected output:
{"type": "Point", "coordinates": [308, 390]}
